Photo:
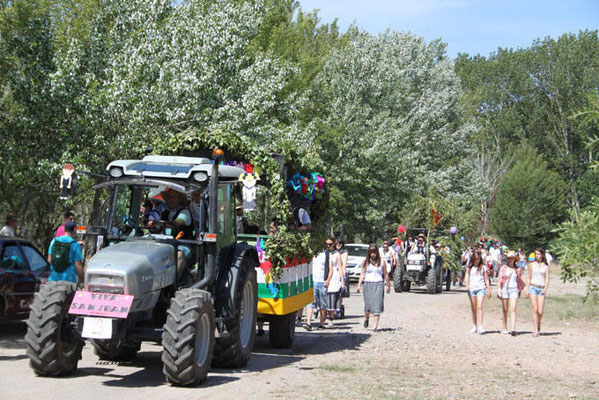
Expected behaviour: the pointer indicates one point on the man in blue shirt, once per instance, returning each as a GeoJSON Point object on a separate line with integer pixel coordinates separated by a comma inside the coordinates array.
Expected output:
{"type": "Point", "coordinates": [75, 268]}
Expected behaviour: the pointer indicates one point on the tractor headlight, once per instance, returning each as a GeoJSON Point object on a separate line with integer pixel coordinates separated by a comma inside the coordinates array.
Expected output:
{"type": "Point", "coordinates": [116, 172]}
{"type": "Point", "coordinates": [200, 176]}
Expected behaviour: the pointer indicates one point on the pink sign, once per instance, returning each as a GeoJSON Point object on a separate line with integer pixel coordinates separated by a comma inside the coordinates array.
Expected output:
{"type": "Point", "coordinates": [101, 304]}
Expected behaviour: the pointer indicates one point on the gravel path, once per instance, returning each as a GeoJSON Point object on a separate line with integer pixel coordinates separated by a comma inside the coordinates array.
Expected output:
{"type": "Point", "coordinates": [423, 350]}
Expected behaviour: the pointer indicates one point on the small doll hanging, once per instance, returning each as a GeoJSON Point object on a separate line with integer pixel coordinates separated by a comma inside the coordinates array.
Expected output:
{"type": "Point", "coordinates": [67, 181]}
{"type": "Point", "coordinates": [249, 181]}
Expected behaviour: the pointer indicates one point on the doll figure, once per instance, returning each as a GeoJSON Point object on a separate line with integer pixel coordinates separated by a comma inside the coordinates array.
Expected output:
{"type": "Point", "coordinates": [67, 181]}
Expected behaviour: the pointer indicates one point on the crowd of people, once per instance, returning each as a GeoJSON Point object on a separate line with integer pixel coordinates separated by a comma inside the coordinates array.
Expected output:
{"type": "Point", "coordinates": [513, 272]}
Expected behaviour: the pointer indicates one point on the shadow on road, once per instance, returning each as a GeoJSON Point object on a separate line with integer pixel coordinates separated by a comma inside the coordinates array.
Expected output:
{"type": "Point", "coordinates": [12, 335]}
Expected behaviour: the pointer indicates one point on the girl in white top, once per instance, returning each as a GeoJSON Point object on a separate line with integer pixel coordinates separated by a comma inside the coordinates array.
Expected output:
{"type": "Point", "coordinates": [374, 275]}
{"type": "Point", "coordinates": [536, 288]}
{"type": "Point", "coordinates": [477, 286]}
{"type": "Point", "coordinates": [344, 256]}
{"type": "Point", "coordinates": [335, 284]}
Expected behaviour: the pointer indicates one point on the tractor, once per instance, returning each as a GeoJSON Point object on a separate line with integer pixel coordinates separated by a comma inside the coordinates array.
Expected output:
{"type": "Point", "coordinates": [202, 309]}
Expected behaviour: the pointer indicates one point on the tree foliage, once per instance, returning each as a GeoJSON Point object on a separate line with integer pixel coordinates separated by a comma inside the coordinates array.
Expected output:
{"type": "Point", "coordinates": [529, 203]}
{"type": "Point", "coordinates": [578, 248]}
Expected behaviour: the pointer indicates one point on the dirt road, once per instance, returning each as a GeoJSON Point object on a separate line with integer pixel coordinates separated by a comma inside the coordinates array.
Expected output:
{"type": "Point", "coordinates": [424, 350]}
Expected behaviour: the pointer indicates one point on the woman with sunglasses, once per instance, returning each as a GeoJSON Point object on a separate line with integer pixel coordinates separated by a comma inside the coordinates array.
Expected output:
{"type": "Point", "coordinates": [374, 274]}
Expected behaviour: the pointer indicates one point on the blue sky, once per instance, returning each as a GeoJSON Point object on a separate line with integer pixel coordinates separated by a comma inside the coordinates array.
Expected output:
{"type": "Point", "coordinates": [467, 26]}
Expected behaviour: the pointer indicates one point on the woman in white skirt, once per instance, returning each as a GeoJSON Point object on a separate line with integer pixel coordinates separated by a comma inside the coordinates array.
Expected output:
{"type": "Point", "coordinates": [374, 275]}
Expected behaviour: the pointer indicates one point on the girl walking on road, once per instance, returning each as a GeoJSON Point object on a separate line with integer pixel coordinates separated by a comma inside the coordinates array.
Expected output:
{"type": "Point", "coordinates": [478, 286]}
{"type": "Point", "coordinates": [510, 284]}
{"type": "Point", "coordinates": [340, 246]}
{"type": "Point", "coordinates": [536, 288]}
{"type": "Point", "coordinates": [336, 284]}
{"type": "Point", "coordinates": [374, 275]}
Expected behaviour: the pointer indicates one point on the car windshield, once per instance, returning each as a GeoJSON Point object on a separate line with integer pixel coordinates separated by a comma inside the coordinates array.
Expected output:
{"type": "Point", "coordinates": [359, 251]}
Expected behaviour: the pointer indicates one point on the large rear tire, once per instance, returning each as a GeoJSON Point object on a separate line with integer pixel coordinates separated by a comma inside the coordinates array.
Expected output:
{"type": "Point", "coordinates": [281, 330]}
{"type": "Point", "coordinates": [116, 349]}
{"type": "Point", "coordinates": [431, 281]}
{"type": "Point", "coordinates": [188, 338]}
{"type": "Point", "coordinates": [397, 280]}
{"type": "Point", "coordinates": [448, 281]}
{"type": "Point", "coordinates": [53, 342]}
{"type": "Point", "coordinates": [234, 350]}
{"type": "Point", "coordinates": [406, 286]}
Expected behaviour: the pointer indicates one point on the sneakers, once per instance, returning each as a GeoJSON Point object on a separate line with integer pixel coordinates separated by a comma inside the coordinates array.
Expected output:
{"type": "Point", "coordinates": [473, 330]}
{"type": "Point", "coordinates": [365, 323]}
{"type": "Point", "coordinates": [307, 327]}
{"type": "Point", "coordinates": [481, 330]}
{"type": "Point", "coordinates": [330, 324]}
{"type": "Point", "coordinates": [506, 332]}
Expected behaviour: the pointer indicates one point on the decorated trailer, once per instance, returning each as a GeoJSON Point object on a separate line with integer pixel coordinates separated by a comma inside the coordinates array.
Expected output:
{"type": "Point", "coordinates": [281, 295]}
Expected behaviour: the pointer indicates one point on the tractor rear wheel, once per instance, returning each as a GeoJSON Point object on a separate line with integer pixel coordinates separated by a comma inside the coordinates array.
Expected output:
{"type": "Point", "coordinates": [431, 281]}
{"type": "Point", "coordinates": [188, 338]}
{"type": "Point", "coordinates": [53, 342]}
{"type": "Point", "coordinates": [397, 280]}
{"type": "Point", "coordinates": [234, 350]}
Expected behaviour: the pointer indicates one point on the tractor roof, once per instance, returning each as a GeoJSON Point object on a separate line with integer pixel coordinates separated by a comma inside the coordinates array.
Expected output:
{"type": "Point", "coordinates": [169, 167]}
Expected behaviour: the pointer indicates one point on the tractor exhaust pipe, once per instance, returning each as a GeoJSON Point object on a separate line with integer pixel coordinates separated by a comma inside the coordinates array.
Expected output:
{"type": "Point", "coordinates": [210, 270]}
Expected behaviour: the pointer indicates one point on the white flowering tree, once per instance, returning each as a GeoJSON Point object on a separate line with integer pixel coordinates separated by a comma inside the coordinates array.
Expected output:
{"type": "Point", "coordinates": [390, 127]}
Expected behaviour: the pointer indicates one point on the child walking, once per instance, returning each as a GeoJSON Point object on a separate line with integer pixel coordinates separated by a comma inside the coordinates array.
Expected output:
{"type": "Point", "coordinates": [536, 288]}
{"type": "Point", "coordinates": [478, 286]}
{"type": "Point", "coordinates": [510, 284]}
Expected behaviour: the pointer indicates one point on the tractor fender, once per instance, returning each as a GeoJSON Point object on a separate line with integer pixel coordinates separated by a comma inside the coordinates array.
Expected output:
{"type": "Point", "coordinates": [232, 270]}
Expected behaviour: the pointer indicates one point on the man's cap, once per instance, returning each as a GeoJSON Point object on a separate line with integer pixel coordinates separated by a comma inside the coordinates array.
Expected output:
{"type": "Point", "coordinates": [421, 235]}
{"type": "Point", "coordinates": [70, 226]}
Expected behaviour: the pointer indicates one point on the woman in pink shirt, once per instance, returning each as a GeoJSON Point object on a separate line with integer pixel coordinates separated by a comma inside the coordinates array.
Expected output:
{"type": "Point", "coordinates": [510, 284]}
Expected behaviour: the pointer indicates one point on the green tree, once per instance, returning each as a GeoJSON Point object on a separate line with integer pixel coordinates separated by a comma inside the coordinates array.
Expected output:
{"type": "Point", "coordinates": [529, 202]}
{"type": "Point", "coordinates": [578, 248]}
{"type": "Point", "coordinates": [389, 127]}
{"type": "Point", "coordinates": [530, 94]}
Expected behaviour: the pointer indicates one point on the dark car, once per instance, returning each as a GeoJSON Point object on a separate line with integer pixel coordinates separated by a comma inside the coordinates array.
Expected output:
{"type": "Point", "coordinates": [22, 270]}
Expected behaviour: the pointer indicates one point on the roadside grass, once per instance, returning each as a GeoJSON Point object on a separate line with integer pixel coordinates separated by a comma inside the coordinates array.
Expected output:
{"type": "Point", "coordinates": [337, 368]}
{"type": "Point", "coordinates": [572, 307]}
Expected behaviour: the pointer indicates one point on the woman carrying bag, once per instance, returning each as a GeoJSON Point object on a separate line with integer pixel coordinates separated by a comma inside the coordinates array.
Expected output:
{"type": "Point", "coordinates": [508, 289]}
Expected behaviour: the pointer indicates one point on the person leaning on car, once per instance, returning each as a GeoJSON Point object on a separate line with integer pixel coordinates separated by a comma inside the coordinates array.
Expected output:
{"type": "Point", "coordinates": [75, 268]}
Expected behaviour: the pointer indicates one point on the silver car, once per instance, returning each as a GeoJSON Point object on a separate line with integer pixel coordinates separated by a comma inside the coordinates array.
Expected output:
{"type": "Point", "coordinates": [356, 254]}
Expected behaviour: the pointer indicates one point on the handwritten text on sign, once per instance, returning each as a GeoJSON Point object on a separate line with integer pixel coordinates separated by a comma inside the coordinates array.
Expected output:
{"type": "Point", "coordinates": [101, 304]}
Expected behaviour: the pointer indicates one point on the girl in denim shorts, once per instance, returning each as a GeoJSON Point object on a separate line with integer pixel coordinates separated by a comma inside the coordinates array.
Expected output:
{"type": "Point", "coordinates": [536, 288]}
{"type": "Point", "coordinates": [509, 285]}
{"type": "Point", "coordinates": [478, 286]}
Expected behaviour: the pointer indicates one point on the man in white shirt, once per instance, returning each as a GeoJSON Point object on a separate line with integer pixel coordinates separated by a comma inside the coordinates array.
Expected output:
{"type": "Point", "coordinates": [321, 275]}
{"type": "Point", "coordinates": [11, 225]}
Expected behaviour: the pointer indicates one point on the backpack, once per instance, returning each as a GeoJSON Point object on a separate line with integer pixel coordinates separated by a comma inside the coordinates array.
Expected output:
{"type": "Point", "coordinates": [60, 255]}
